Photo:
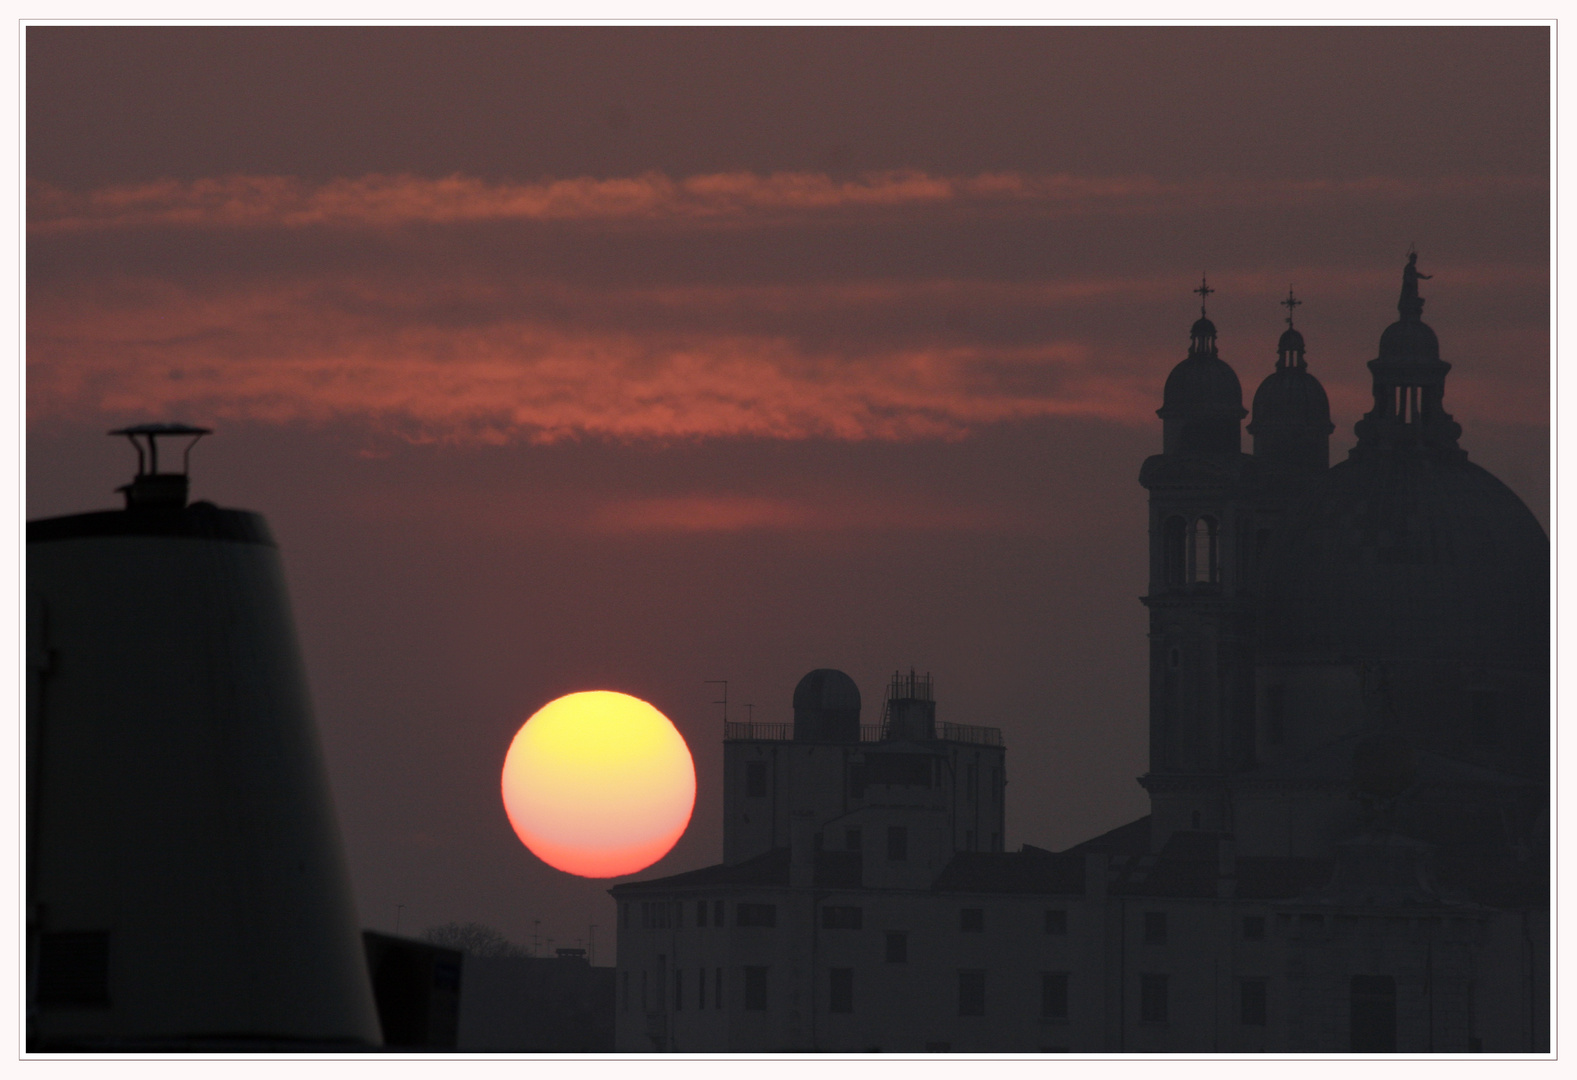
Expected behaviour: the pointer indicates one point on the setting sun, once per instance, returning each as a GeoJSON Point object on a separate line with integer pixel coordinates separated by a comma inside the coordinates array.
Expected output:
{"type": "Point", "coordinates": [599, 784]}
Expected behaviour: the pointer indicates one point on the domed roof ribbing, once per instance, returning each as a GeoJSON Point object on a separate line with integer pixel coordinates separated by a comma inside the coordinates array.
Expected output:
{"type": "Point", "coordinates": [1291, 397]}
{"type": "Point", "coordinates": [1410, 556]}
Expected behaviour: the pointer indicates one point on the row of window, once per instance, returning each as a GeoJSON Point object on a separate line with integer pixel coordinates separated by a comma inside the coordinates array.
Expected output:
{"type": "Point", "coordinates": [901, 770]}
{"type": "Point", "coordinates": [669, 914]}
{"type": "Point", "coordinates": [1154, 993]}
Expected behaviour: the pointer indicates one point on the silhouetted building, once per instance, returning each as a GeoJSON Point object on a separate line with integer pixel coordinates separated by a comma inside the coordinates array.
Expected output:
{"type": "Point", "coordinates": [524, 1004]}
{"type": "Point", "coordinates": [1348, 843]}
{"type": "Point", "coordinates": [416, 986]}
{"type": "Point", "coordinates": [185, 883]}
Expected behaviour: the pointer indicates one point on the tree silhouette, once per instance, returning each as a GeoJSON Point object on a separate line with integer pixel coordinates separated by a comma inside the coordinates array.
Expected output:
{"type": "Point", "coordinates": [473, 939]}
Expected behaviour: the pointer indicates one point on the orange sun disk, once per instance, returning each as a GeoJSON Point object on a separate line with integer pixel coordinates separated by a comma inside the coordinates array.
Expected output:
{"type": "Point", "coordinates": [599, 784]}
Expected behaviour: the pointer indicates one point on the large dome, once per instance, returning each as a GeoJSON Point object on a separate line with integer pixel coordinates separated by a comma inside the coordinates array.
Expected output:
{"type": "Point", "coordinates": [1427, 581]}
{"type": "Point", "coordinates": [1403, 555]}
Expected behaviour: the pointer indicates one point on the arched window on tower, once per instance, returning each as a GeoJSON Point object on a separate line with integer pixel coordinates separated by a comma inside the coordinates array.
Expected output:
{"type": "Point", "coordinates": [1174, 561]}
{"type": "Point", "coordinates": [1204, 558]}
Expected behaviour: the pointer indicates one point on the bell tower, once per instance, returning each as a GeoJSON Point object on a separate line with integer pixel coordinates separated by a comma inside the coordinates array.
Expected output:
{"type": "Point", "coordinates": [1200, 594]}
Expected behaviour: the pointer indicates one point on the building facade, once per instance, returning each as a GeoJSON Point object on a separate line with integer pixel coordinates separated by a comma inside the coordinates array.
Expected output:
{"type": "Point", "coordinates": [1347, 849]}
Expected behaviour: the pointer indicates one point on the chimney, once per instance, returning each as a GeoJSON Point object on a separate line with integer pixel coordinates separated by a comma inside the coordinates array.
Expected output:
{"type": "Point", "coordinates": [802, 853]}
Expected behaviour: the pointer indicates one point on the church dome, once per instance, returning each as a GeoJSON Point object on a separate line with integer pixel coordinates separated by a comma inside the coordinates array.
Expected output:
{"type": "Point", "coordinates": [1419, 573]}
{"type": "Point", "coordinates": [1291, 341]}
{"type": "Point", "coordinates": [1409, 339]}
{"type": "Point", "coordinates": [1410, 556]}
{"type": "Point", "coordinates": [1203, 383]}
{"type": "Point", "coordinates": [1291, 397]}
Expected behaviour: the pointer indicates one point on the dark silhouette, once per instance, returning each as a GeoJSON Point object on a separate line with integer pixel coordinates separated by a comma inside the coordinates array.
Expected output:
{"type": "Point", "coordinates": [473, 939]}
{"type": "Point", "coordinates": [1411, 305]}
{"type": "Point", "coordinates": [1347, 849]}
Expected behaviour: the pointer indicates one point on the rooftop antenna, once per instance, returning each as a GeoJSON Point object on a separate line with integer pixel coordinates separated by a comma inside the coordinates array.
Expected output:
{"type": "Point", "coordinates": [150, 487]}
{"type": "Point", "coordinates": [724, 701]}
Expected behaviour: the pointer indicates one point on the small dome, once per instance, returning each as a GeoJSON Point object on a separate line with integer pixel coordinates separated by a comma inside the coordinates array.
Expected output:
{"type": "Point", "coordinates": [1291, 341]}
{"type": "Point", "coordinates": [1204, 328]}
{"type": "Point", "coordinates": [1205, 383]}
{"type": "Point", "coordinates": [827, 707]}
{"type": "Point", "coordinates": [1291, 397]}
{"type": "Point", "coordinates": [1409, 339]}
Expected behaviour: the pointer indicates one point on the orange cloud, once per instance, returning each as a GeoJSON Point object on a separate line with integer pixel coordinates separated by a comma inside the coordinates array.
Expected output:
{"type": "Point", "coordinates": [475, 358]}
{"type": "Point", "coordinates": [386, 201]}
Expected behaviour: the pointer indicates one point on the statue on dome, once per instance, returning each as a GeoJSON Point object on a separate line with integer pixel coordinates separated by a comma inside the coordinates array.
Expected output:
{"type": "Point", "coordinates": [1411, 305]}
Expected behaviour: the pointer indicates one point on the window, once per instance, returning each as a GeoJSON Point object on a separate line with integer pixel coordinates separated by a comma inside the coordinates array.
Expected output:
{"type": "Point", "coordinates": [1152, 999]}
{"type": "Point", "coordinates": [1173, 535]}
{"type": "Point", "coordinates": [717, 989]}
{"type": "Point", "coordinates": [678, 990]}
{"type": "Point", "coordinates": [717, 913]}
{"type": "Point", "coordinates": [1056, 921]}
{"type": "Point", "coordinates": [659, 914]}
{"type": "Point", "coordinates": [897, 843]}
{"type": "Point", "coordinates": [700, 914]}
{"type": "Point", "coordinates": [1205, 564]}
{"type": "Point", "coordinates": [897, 947]}
{"type": "Point", "coordinates": [755, 779]}
{"type": "Point", "coordinates": [971, 993]}
{"type": "Point", "coordinates": [1054, 995]}
{"type": "Point", "coordinates": [1253, 928]}
{"type": "Point", "coordinates": [972, 919]}
{"type": "Point", "coordinates": [851, 840]}
{"type": "Point", "coordinates": [1373, 1014]}
{"type": "Point", "coordinates": [841, 918]}
{"type": "Point", "coordinates": [1252, 1002]}
{"type": "Point", "coordinates": [756, 989]}
{"type": "Point", "coordinates": [756, 915]}
{"type": "Point", "coordinates": [840, 991]}
{"type": "Point", "coordinates": [1155, 928]}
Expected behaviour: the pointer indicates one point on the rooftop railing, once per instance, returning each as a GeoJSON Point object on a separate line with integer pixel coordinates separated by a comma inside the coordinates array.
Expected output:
{"type": "Point", "coordinates": [735, 731]}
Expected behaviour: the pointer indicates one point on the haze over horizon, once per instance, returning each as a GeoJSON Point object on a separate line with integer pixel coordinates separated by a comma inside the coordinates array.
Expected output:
{"type": "Point", "coordinates": [610, 358]}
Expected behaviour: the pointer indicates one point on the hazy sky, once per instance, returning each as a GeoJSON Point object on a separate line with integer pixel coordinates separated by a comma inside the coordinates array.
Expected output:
{"type": "Point", "coordinates": [567, 359]}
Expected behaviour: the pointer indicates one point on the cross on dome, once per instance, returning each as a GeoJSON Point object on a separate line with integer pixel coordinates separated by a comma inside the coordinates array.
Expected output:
{"type": "Point", "coordinates": [1204, 292]}
{"type": "Point", "coordinates": [1290, 303]}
